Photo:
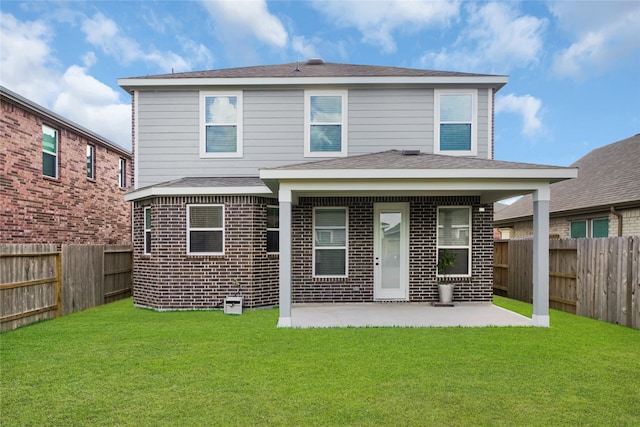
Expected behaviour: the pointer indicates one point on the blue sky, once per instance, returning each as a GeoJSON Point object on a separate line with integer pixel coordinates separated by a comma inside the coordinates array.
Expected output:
{"type": "Point", "coordinates": [574, 66]}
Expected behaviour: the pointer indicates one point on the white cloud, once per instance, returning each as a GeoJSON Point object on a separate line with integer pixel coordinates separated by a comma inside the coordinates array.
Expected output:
{"type": "Point", "coordinates": [527, 107]}
{"type": "Point", "coordinates": [304, 47]}
{"type": "Point", "coordinates": [496, 36]}
{"type": "Point", "coordinates": [103, 33]}
{"type": "Point", "coordinates": [379, 20]}
{"type": "Point", "coordinates": [605, 33]}
{"type": "Point", "coordinates": [25, 59]}
{"type": "Point", "coordinates": [27, 70]}
{"type": "Point", "coordinates": [238, 19]}
{"type": "Point", "coordinates": [94, 105]}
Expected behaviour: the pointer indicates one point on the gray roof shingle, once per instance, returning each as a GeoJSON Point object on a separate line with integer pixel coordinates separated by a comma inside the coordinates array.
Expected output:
{"type": "Point", "coordinates": [395, 159]}
{"type": "Point", "coordinates": [607, 176]}
{"type": "Point", "coordinates": [303, 69]}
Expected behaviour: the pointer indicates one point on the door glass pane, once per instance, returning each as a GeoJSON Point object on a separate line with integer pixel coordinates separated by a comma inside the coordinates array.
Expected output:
{"type": "Point", "coordinates": [390, 222]}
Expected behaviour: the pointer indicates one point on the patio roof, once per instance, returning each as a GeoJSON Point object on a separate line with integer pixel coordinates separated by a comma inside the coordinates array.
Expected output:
{"type": "Point", "coordinates": [412, 173]}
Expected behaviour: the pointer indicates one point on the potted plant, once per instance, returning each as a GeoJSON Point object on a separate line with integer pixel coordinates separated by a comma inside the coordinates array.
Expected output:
{"type": "Point", "coordinates": [446, 261]}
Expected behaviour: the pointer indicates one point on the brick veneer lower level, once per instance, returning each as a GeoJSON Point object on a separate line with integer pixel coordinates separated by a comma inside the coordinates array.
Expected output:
{"type": "Point", "coordinates": [169, 279]}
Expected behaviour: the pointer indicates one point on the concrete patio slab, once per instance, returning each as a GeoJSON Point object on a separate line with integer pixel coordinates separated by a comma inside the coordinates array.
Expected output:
{"type": "Point", "coordinates": [403, 315]}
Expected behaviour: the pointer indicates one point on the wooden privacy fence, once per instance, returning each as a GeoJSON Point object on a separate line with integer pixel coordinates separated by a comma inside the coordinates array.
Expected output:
{"type": "Point", "coordinates": [597, 278]}
{"type": "Point", "coordinates": [37, 282]}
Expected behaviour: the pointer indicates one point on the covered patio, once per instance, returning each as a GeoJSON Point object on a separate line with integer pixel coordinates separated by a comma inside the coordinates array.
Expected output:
{"type": "Point", "coordinates": [417, 315]}
{"type": "Point", "coordinates": [407, 174]}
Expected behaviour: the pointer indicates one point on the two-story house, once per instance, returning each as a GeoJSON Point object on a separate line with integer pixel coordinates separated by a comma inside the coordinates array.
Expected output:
{"type": "Point", "coordinates": [320, 182]}
{"type": "Point", "coordinates": [59, 182]}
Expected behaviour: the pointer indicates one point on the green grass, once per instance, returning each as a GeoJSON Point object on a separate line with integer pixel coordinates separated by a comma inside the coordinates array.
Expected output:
{"type": "Point", "coordinates": [117, 365]}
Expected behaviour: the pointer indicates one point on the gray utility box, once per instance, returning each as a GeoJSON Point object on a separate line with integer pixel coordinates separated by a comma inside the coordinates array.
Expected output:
{"type": "Point", "coordinates": [233, 305]}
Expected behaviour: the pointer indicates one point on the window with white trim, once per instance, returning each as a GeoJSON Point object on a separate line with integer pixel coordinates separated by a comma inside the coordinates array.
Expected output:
{"type": "Point", "coordinates": [221, 124]}
{"type": "Point", "coordinates": [147, 230]}
{"type": "Point", "coordinates": [205, 229]}
{"type": "Point", "coordinates": [49, 152]}
{"type": "Point", "coordinates": [122, 173]}
{"type": "Point", "coordinates": [455, 121]}
{"type": "Point", "coordinates": [330, 243]}
{"type": "Point", "coordinates": [91, 161]}
{"type": "Point", "coordinates": [325, 128]}
{"type": "Point", "coordinates": [598, 227]}
{"type": "Point", "coordinates": [454, 234]}
{"type": "Point", "coordinates": [273, 229]}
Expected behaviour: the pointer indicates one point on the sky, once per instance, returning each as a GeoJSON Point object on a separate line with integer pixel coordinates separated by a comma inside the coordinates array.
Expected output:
{"type": "Point", "coordinates": [573, 66]}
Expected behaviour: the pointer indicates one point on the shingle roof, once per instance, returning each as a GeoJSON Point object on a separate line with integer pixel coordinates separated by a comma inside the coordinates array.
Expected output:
{"type": "Point", "coordinates": [607, 176]}
{"type": "Point", "coordinates": [232, 181]}
{"type": "Point", "coordinates": [303, 69]}
{"type": "Point", "coordinates": [395, 159]}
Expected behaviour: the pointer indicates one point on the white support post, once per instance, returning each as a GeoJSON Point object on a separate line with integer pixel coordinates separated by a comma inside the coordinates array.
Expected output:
{"type": "Point", "coordinates": [285, 199]}
{"type": "Point", "coordinates": [541, 198]}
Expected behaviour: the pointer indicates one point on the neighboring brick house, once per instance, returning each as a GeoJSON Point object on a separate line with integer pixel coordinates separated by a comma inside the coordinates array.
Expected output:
{"type": "Point", "coordinates": [59, 182]}
{"type": "Point", "coordinates": [319, 183]}
{"type": "Point", "coordinates": [604, 201]}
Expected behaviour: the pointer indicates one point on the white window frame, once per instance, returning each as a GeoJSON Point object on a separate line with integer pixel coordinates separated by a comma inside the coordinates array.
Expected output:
{"type": "Point", "coordinates": [345, 247]}
{"type": "Point", "coordinates": [55, 155]}
{"type": "Point", "coordinates": [272, 229]}
{"type": "Point", "coordinates": [146, 230]}
{"type": "Point", "coordinates": [307, 123]}
{"type": "Point", "coordinates": [189, 229]}
{"type": "Point", "coordinates": [91, 148]}
{"type": "Point", "coordinates": [122, 172]}
{"type": "Point", "coordinates": [474, 122]}
{"type": "Point", "coordinates": [468, 246]}
{"type": "Point", "coordinates": [239, 124]}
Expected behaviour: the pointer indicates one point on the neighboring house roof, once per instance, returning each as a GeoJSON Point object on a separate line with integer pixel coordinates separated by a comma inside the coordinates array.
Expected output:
{"type": "Point", "coordinates": [608, 176]}
{"type": "Point", "coordinates": [26, 104]}
{"type": "Point", "coordinates": [311, 72]}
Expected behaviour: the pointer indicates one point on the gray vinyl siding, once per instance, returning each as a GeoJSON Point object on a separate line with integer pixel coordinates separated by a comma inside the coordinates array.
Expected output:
{"type": "Point", "coordinates": [168, 130]}
{"type": "Point", "coordinates": [383, 119]}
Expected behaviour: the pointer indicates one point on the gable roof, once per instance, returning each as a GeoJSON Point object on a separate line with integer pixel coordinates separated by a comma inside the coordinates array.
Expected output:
{"type": "Point", "coordinates": [608, 176]}
{"type": "Point", "coordinates": [311, 72]}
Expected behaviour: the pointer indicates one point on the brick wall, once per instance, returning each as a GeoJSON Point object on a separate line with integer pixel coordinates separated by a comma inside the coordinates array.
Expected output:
{"type": "Point", "coordinates": [169, 279]}
{"type": "Point", "coordinates": [70, 209]}
{"type": "Point", "coordinates": [358, 286]}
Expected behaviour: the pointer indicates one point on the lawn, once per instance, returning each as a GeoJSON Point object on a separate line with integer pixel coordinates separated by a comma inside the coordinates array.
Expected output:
{"type": "Point", "coordinates": [117, 365]}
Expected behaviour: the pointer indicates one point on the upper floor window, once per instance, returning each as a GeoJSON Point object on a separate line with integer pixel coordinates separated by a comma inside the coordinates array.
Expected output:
{"type": "Point", "coordinates": [221, 124]}
{"type": "Point", "coordinates": [325, 128]}
{"type": "Point", "coordinates": [590, 228]}
{"type": "Point", "coordinates": [454, 235]}
{"type": "Point", "coordinates": [49, 152]}
{"type": "Point", "coordinates": [122, 173]}
{"type": "Point", "coordinates": [91, 161]}
{"type": "Point", "coordinates": [205, 229]}
{"type": "Point", "coordinates": [273, 229]}
{"type": "Point", "coordinates": [455, 122]}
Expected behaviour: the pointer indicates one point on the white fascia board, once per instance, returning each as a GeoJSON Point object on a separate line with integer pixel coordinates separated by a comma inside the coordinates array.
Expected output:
{"type": "Point", "coordinates": [476, 186]}
{"type": "Point", "coordinates": [286, 81]}
{"type": "Point", "coordinates": [377, 174]}
{"type": "Point", "coordinates": [196, 191]}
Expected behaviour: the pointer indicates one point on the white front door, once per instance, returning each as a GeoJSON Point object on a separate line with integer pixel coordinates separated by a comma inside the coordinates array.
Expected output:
{"type": "Point", "coordinates": [391, 251]}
